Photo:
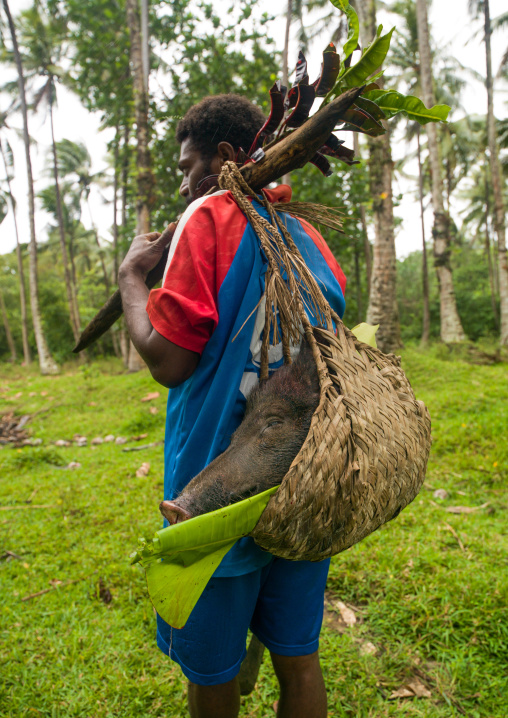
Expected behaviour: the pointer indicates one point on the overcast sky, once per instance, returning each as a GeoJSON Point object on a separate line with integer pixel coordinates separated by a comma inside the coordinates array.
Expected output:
{"type": "Point", "coordinates": [451, 26]}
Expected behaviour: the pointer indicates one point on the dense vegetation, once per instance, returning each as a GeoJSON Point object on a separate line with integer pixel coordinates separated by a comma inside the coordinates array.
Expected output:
{"type": "Point", "coordinates": [196, 51]}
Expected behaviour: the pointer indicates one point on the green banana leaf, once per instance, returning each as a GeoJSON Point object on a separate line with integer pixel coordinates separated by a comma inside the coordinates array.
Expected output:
{"type": "Point", "coordinates": [353, 26]}
{"type": "Point", "coordinates": [392, 103]}
{"type": "Point", "coordinates": [180, 559]}
{"type": "Point", "coordinates": [367, 65]}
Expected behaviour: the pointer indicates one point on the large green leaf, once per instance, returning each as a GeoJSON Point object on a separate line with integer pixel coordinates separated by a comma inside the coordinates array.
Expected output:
{"type": "Point", "coordinates": [353, 26]}
{"type": "Point", "coordinates": [366, 333]}
{"type": "Point", "coordinates": [370, 61]}
{"type": "Point", "coordinates": [393, 102]}
{"type": "Point", "coordinates": [180, 560]}
{"type": "Point", "coordinates": [358, 120]}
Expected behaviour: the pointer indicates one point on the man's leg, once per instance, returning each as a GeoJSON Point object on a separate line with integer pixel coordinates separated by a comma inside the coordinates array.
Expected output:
{"type": "Point", "coordinates": [302, 688]}
{"type": "Point", "coordinates": [220, 701]}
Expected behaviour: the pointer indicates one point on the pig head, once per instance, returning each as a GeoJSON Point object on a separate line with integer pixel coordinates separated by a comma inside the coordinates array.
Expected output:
{"type": "Point", "coordinates": [276, 423]}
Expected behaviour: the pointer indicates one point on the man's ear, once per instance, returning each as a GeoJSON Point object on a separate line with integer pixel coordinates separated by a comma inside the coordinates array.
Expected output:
{"type": "Point", "coordinates": [226, 152]}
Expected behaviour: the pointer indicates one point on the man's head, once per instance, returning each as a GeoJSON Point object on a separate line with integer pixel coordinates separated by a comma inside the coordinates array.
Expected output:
{"type": "Point", "coordinates": [211, 133]}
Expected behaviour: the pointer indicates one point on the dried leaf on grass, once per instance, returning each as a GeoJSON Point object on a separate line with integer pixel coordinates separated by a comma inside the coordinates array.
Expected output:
{"type": "Point", "coordinates": [151, 395]}
{"type": "Point", "coordinates": [143, 470]}
{"type": "Point", "coordinates": [368, 649]}
{"type": "Point", "coordinates": [414, 689]}
{"type": "Point", "coordinates": [347, 614]}
{"type": "Point", "coordinates": [338, 615]}
{"type": "Point", "coordinates": [465, 509]}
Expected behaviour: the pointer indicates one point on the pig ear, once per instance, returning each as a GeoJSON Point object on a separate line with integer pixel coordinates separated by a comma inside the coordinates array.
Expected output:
{"type": "Point", "coordinates": [305, 360]}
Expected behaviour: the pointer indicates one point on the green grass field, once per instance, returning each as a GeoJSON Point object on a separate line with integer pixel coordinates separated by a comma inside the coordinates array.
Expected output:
{"type": "Point", "coordinates": [428, 591]}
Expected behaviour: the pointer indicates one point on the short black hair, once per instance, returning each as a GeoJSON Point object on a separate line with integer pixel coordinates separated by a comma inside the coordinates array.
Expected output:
{"type": "Point", "coordinates": [221, 118]}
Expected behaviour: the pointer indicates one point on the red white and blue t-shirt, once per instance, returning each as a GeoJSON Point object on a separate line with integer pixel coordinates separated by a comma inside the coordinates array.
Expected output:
{"type": "Point", "coordinates": [209, 303]}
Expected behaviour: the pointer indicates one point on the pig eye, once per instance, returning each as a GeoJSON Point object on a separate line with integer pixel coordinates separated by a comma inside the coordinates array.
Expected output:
{"type": "Point", "coordinates": [272, 422]}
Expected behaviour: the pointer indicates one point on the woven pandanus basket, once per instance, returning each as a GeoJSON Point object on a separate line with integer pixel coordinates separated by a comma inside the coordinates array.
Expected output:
{"type": "Point", "coordinates": [365, 456]}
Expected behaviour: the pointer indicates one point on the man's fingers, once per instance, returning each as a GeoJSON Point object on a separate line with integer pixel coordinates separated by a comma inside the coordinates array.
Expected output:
{"type": "Point", "coordinates": [166, 237]}
{"type": "Point", "coordinates": [151, 236]}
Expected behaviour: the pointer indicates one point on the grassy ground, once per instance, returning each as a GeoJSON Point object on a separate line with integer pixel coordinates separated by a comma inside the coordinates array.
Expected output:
{"type": "Point", "coordinates": [428, 591]}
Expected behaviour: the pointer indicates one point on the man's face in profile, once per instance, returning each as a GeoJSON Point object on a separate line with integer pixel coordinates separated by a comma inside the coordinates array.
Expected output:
{"type": "Point", "coordinates": [196, 166]}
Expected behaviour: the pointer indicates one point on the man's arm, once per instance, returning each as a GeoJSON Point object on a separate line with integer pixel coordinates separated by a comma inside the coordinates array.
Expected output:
{"type": "Point", "coordinates": [169, 364]}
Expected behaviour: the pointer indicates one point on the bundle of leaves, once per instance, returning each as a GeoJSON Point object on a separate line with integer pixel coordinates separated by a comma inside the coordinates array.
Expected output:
{"type": "Point", "coordinates": [291, 109]}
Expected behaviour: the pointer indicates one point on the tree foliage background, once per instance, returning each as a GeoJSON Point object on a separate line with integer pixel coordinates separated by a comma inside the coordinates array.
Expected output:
{"type": "Point", "coordinates": [200, 51]}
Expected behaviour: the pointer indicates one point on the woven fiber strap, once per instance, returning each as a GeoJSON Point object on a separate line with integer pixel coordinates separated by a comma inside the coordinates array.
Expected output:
{"type": "Point", "coordinates": [365, 456]}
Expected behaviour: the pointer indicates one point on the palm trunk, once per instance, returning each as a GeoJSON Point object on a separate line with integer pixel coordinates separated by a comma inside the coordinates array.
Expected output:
{"type": "Point", "coordinates": [10, 340]}
{"type": "Point", "coordinates": [116, 155]}
{"type": "Point", "coordinates": [46, 362]}
{"type": "Point", "coordinates": [286, 179]}
{"type": "Point", "coordinates": [69, 284]}
{"type": "Point", "coordinates": [145, 179]}
{"type": "Point", "coordinates": [27, 354]}
{"type": "Point", "coordinates": [451, 327]}
{"type": "Point", "coordinates": [499, 216]}
{"type": "Point", "coordinates": [359, 304]}
{"type": "Point", "coordinates": [382, 308]}
{"type": "Point", "coordinates": [367, 249]}
{"type": "Point", "coordinates": [425, 271]}
{"type": "Point", "coordinates": [124, 343]}
{"type": "Point", "coordinates": [493, 297]}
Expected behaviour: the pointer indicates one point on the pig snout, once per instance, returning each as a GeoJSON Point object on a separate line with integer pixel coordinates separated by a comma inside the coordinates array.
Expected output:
{"type": "Point", "coordinates": [173, 513]}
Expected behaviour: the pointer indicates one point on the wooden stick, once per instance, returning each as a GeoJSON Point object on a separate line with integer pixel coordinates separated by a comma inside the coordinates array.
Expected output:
{"type": "Point", "coordinates": [456, 536]}
{"type": "Point", "coordinates": [28, 506]}
{"type": "Point", "coordinates": [54, 588]}
{"type": "Point", "coordinates": [143, 446]}
{"type": "Point", "coordinates": [290, 153]}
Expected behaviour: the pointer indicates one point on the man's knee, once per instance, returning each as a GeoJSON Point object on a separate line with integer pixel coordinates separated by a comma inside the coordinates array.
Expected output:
{"type": "Point", "coordinates": [296, 669]}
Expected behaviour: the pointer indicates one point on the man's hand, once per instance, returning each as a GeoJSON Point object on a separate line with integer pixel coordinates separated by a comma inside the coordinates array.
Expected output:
{"type": "Point", "coordinates": [145, 251]}
{"type": "Point", "coordinates": [169, 363]}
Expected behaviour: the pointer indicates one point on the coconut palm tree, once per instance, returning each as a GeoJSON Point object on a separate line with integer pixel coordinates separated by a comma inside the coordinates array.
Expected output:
{"type": "Point", "coordinates": [145, 179]}
{"type": "Point", "coordinates": [482, 7]}
{"type": "Point", "coordinates": [75, 165]}
{"type": "Point", "coordinates": [477, 217]}
{"type": "Point", "coordinates": [46, 362]}
{"type": "Point", "coordinates": [382, 308]}
{"type": "Point", "coordinates": [8, 162]}
{"type": "Point", "coordinates": [43, 38]}
{"type": "Point", "coordinates": [451, 327]}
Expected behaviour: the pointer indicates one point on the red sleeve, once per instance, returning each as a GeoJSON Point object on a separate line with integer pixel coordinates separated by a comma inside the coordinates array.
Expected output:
{"type": "Point", "coordinates": [184, 309]}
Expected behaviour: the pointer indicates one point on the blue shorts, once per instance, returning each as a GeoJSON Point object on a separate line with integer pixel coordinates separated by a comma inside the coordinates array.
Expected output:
{"type": "Point", "coordinates": [282, 604]}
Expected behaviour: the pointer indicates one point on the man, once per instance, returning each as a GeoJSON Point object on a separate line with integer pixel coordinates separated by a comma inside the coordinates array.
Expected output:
{"type": "Point", "coordinates": [200, 335]}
